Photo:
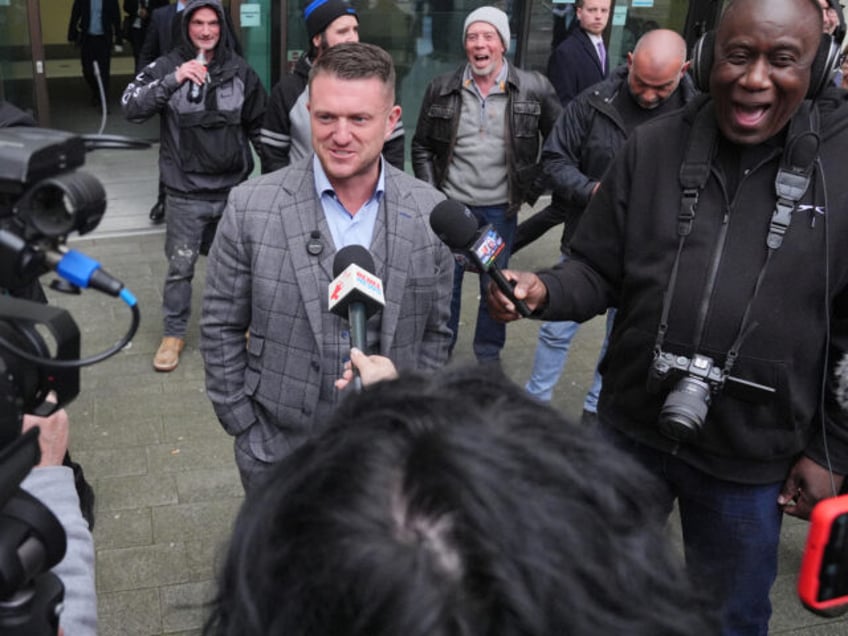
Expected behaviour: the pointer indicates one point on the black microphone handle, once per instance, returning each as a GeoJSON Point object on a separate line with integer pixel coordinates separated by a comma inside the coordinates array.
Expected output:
{"type": "Point", "coordinates": [357, 317]}
{"type": "Point", "coordinates": [506, 288]}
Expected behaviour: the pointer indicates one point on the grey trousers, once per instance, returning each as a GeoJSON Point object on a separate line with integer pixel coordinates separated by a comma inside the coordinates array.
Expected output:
{"type": "Point", "coordinates": [189, 228]}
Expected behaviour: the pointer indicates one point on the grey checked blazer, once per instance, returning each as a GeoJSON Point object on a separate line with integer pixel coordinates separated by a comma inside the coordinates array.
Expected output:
{"type": "Point", "coordinates": [260, 277]}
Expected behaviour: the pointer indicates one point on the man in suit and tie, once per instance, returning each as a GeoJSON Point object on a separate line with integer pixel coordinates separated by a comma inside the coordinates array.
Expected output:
{"type": "Point", "coordinates": [95, 26]}
{"type": "Point", "coordinates": [581, 59]}
{"type": "Point", "coordinates": [272, 262]}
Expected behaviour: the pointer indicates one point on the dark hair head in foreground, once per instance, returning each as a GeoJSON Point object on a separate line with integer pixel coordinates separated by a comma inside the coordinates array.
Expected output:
{"type": "Point", "coordinates": [454, 504]}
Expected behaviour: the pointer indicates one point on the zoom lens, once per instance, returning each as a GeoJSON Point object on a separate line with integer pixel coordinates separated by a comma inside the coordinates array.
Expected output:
{"type": "Point", "coordinates": [59, 205]}
{"type": "Point", "coordinates": [685, 409]}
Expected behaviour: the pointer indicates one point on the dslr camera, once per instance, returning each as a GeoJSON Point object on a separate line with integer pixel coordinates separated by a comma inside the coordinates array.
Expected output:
{"type": "Point", "coordinates": [694, 381]}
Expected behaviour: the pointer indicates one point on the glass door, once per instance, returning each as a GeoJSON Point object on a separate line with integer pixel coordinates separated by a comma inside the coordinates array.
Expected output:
{"type": "Point", "coordinates": [22, 71]}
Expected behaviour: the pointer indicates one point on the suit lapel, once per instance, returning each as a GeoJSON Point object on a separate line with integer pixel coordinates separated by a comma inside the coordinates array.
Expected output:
{"type": "Point", "coordinates": [593, 51]}
{"type": "Point", "coordinates": [391, 248]}
{"type": "Point", "coordinates": [300, 219]}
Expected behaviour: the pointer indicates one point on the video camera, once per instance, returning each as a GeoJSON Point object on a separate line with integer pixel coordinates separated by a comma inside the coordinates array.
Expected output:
{"type": "Point", "coordinates": [43, 199]}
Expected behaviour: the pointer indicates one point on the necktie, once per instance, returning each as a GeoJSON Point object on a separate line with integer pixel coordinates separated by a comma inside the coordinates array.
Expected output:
{"type": "Point", "coordinates": [602, 54]}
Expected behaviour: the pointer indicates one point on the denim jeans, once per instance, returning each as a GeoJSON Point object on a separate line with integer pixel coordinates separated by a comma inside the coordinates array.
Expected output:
{"type": "Point", "coordinates": [489, 334]}
{"type": "Point", "coordinates": [731, 533]}
{"type": "Point", "coordinates": [551, 355]}
{"type": "Point", "coordinates": [188, 224]}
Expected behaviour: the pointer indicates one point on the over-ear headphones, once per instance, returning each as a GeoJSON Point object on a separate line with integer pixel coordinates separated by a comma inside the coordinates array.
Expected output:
{"type": "Point", "coordinates": [822, 71]}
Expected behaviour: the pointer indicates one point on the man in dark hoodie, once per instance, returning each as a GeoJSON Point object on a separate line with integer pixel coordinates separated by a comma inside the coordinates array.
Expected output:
{"type": "Point", "coordinates": [212, 104]}
{"type": "Point", "coordinates": [286, 132]}
{"type": "Point", "coordinates": [718, 233]}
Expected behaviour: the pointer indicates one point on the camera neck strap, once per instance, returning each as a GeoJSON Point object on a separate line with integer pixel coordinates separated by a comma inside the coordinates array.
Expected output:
{"type": "Point", "coordinates": [793, 179]}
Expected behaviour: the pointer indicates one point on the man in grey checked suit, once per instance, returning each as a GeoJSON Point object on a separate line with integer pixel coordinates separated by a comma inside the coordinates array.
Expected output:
{"type": "Point", "coordinates": [272, 262]}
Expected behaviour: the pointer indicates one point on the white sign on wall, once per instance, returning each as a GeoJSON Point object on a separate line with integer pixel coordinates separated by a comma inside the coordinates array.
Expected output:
{"type": "Point", "coordinates": [251, 15]}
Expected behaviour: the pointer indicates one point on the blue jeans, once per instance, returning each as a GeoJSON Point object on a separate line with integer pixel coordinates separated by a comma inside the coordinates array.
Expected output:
{"type": "Point", "coordinates": [489, 334]}
{"type": "Point", "coordinates": [730, 532]}
{"type": "Point", "coordinates": [551, 355]}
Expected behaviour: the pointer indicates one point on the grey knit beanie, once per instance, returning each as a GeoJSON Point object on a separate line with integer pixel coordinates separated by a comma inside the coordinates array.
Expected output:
{"type": "Point", "coordinates": [493, 16]}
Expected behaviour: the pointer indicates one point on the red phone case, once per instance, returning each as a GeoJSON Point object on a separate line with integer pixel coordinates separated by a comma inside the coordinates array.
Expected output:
{"type": "Point", "coordinates": [823, 582]}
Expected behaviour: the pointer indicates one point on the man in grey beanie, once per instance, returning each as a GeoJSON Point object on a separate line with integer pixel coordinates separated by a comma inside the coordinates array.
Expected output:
{"type": "Point", "coordinates": [478, 138]}
{"type": "Point", "coordinates": [286, 132]}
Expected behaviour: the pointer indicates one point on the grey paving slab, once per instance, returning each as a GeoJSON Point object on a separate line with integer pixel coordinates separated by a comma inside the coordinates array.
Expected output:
{"type": "Point", "coordinates": [136, 491]}
{"type": "Point", "coordinates": [129, 528]}
{"type": "Point", "coordinates": [111, 462]}
{"type": "Point", "coordinates": [151, 566]}
{"type": "Point", "coordinates": [194, 520]}
{"type": "Point", "coordinates": [184, 606]}
{"type": "Point", "coordinates": [137, 612]}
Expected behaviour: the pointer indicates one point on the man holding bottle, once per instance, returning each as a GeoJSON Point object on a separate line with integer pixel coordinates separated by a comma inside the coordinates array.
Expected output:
{"type": "Point", "coordinates": [212, 105]}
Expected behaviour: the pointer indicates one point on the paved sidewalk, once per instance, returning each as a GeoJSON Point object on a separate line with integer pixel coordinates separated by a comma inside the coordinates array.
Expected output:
{"type": "Point", "coordinates": [162, 468]}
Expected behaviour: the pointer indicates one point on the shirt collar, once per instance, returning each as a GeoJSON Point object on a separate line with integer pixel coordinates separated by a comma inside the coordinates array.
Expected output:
{"type": "Point", "coordinates": [323, 185]}
{"type": "Point", "coordinates": [468, 77]}
{"type": "Point", "coordinates": [594, 38]}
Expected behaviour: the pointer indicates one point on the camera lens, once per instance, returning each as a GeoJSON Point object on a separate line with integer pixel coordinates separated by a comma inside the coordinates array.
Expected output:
{"type": "Point", "coordinates": [59, 205]}
{"type": "Point", "coordinates": [685, 409]}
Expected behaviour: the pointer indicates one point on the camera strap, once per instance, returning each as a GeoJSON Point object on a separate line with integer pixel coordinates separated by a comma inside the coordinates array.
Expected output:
{"type": "Point", "coordinates": [793, 179]}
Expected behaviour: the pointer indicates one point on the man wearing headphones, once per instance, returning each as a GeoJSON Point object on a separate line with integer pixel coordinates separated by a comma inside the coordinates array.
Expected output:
{"type": "Point", "coordinates": [716, 234]}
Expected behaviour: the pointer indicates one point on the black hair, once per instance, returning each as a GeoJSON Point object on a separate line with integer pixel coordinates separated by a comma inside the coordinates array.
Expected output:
{"type": "Point", "coordinates": [454, 505]}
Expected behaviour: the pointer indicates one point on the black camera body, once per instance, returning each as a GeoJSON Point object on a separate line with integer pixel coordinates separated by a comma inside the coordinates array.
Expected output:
{"type": "Point", "coordinates": [685, 407]}
{"type": "Point", "coordinates": [693, 381]}
{"type": "Point", "coordinates": [43, 198]}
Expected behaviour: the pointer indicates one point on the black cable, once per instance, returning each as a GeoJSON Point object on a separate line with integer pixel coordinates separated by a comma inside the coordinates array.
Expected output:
{"type": "Point", "coordinates": [97, 142]}
{"type": "Point", "coordinates": [82, 362]}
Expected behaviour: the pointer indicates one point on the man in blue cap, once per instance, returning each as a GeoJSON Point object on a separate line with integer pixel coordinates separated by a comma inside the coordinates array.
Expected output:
{"type": "Point", "coordinates": [286, 133]}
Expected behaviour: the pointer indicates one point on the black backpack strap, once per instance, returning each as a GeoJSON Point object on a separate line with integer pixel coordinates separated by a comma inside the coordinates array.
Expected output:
{"type": "Point", "coordinates": [695, 169]}
{"type": "Point", "coordinates": [796, 170]}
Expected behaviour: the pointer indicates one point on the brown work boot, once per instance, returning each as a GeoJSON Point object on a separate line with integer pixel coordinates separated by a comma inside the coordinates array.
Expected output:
{"type": "Point", "coordinates": [168, 356]}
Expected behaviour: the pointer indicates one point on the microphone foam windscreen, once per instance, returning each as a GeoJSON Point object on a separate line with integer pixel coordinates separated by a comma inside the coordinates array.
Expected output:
{"type": "Point", "coordinates": [454, 224]}
{"type": "Point", "coordinates": [353, 255]}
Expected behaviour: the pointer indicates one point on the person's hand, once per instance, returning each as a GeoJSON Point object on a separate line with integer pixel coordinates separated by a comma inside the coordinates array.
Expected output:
{"type": "Point", "coordinates": [52, 436]}
{"type": "Point", "coordinates": [528, 288]}
{"type": "Point", "coordinates": [807, 484]}
{"type": "Point", "coordinates": [372, 369]}
{"type": "Point", "coordinates": [191, 70]}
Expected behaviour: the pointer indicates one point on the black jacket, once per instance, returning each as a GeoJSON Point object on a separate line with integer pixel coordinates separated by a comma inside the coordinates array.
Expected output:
{"type": "Point", "coordinates": [574, 66]}
{"type": "Point", "coordinates": [583, 143]}
{"type": "Point", "coordinates": [205, 147]}
{"type": "Point", "coordinates": [532, 109]}
{"type": "Point", "coordinates": [622, 255]}
{"type": "Point", "coordinates": [81, 19]}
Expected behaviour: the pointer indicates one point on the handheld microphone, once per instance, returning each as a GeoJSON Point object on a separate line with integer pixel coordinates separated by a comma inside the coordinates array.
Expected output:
{"type": "Point", "coordinates": [457, 228]}
{"type": "Point", "coordinates": [356, 294]}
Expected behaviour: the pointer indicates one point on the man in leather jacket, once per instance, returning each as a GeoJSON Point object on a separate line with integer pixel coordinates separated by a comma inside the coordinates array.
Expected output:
{"type": "Point", "coordinates": [478, 138]}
